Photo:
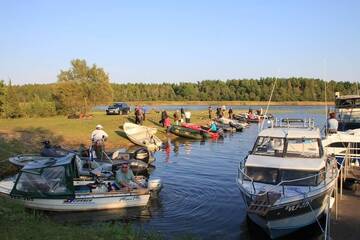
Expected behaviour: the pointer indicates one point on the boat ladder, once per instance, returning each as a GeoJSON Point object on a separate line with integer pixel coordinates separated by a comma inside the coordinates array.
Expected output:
{"type": "Point", "coordinates": [263, 202]}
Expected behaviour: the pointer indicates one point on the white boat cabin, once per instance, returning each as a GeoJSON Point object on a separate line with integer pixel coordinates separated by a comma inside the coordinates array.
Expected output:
{"type": "Point", "coordinates": [285, 154]}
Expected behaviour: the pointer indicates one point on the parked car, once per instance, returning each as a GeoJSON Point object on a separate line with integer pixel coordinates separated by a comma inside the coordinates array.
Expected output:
{"type": "Point", "coordinates": [118, 108]}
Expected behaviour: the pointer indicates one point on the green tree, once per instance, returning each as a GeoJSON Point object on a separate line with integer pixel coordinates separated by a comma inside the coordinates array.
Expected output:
{"type": "Point", "coordinates": [2, 96]}
{"type": "Point", "coordinates": [11, 107]}
{"type": "Point", "coordinates": [82, 87]}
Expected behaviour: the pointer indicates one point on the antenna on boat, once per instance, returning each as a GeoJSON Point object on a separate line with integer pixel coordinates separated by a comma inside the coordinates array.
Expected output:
{"type": "Point", "coordinates": [268, 104]}
{"type": "Point", "coordinates": [326, 106]}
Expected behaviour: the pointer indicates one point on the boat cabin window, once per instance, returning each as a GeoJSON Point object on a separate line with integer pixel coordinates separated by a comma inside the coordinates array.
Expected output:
{"type": "Point", "coordinates": [299, 178]}
{"type": "Point", "coordinates": [275, 176]}
{"type": "Point", "coordinates": [339, 145]}
{"type": "Point", "coordinates": [348, 103]}
{"type": "Point", "coordinates": [44, 181]}
{"type": "Point", "coordinates": [303, 148]}
{"type": "Point", "coordinates": [269, 146]}
{"type": "Point", "coordinates": [264, 175]}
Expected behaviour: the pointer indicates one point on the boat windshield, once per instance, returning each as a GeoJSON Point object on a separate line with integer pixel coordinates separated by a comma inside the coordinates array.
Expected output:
{"type": "Point", "coordinates": [269, 146]}
{"type": "Point", "coordinates": [303, 148]}
{"type": "Point", "coordinates": [46, 181]}
{"type": "Point", "coordinates": [278, 147]}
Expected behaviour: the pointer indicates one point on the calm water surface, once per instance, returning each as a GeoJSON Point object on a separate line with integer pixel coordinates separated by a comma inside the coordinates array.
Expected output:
{"type": "Point", "coordinates": [200, 195]}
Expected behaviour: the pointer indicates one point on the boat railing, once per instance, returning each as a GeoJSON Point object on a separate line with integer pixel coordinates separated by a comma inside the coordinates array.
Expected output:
{"type": "Point", "coordinates": [283, 185]}
{"type": "Point", "coordinates": [292, 123]}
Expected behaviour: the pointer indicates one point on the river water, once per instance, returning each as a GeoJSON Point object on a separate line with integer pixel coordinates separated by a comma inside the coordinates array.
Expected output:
{"type": "Point", "coordinates": [200, 196]}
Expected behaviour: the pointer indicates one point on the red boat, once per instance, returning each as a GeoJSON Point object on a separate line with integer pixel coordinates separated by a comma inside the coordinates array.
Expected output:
{"type": "Point", "coordinates": [200, 129]}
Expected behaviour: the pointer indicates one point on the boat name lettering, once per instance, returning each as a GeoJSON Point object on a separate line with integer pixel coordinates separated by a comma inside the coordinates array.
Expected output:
{"type": "Point", "coordinates": [78, 201]}
{"type": "Point", "coordinates": [129, 198]}
{"type": "Point", "coordinates": [297, 206]}
{"type": "Point", "coordinates": [23, 198]}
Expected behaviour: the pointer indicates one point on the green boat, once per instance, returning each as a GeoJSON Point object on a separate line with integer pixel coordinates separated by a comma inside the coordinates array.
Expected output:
{"type": "Point", "coordinates": [188, 132]}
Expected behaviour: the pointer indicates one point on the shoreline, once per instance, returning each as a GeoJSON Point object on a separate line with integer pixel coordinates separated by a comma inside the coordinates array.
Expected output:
{"type": "Point", "coordinates": [231, 103]}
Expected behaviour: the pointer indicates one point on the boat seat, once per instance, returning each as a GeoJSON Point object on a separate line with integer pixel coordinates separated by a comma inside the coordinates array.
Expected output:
{"type": "Point", "coordinates": [263, 202]}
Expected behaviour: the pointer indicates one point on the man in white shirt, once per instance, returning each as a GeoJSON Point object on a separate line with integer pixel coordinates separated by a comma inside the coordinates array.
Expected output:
{"type": "Point", "coordinates": [332, 123]}
{"type": "Point", "coordinates": [98, 138]}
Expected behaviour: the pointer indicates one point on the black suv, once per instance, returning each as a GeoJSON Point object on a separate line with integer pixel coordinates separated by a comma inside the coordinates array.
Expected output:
{"type": "Point", "coordinates": [117, 108]}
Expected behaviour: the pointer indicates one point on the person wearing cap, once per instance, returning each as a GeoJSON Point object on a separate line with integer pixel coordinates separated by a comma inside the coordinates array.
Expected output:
{"type": "Point", "coordinates": [98, 138]}
{"type": "Point", "coordinates": [124, 178]}
{"type": "Point", "coordinates": [332, 123]}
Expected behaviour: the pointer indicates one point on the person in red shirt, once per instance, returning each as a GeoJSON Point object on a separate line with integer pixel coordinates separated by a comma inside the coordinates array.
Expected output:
{"type": "Point", "coordinates": [167, 123]}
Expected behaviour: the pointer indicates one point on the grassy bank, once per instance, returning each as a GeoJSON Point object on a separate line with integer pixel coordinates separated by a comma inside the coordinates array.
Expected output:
{"type": "Point", "coordinates": [25, 135]}
{"type": "Point", "coordinates": [72, 132]}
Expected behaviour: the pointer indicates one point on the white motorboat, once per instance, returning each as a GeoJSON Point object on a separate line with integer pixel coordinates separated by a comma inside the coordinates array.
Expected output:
{"type": "Point", "coordinates": [142, 135]}
{"type": "Point", "coordinates": [345, 141]}
{"type": "Point", "coordinates": [347, 109]}
{"type": "Point", "coordinates": [286, 180]}
{"type": "Point", "coordinates": [341, 143]}
{"type": "Point", "coordinates": [55, 185]}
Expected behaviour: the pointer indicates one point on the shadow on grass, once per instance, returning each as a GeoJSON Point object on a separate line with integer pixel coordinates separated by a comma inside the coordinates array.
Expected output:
{"type": "Point", "coordinates": [121, 133]}
{"type": "Point", "coordinates": [131, 119]}
{"type": "Point", "coordinates": [23, 140]}
{"type": "Point", "coordinates": [33, 136]}
{"type": "Point", "coordinates": [154, 122]}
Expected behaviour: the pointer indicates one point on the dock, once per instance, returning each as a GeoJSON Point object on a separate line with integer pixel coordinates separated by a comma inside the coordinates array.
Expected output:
{"type": "Point", "coordinates": [347, 224]}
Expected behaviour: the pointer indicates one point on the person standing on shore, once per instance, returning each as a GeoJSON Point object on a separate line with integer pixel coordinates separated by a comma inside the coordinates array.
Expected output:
{"type": "Point", "coordinates": [176, 117]}
{"type": "Point", "coordinates": [182, 112]}
{"type": "Point", "coordinates": [218, 112]}
{"type": "Point", "coordinates": [143, 109]}
{"type": "Point", "coordinates": [187, 116]}
{"type": "Point", "coordinates": [230, 113]}
{"type": "Point", "coordinates": [167, 123]}
{"type": "Point", "coordinates": [164, 115]}
{"type": "Point", "coordinates": [98, 138]}
{"type": "Point", "coordinates": [210, 112]}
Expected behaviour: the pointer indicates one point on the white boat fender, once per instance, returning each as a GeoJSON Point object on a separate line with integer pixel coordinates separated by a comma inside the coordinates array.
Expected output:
{"type": "Point", "coordinates": [154, 184]}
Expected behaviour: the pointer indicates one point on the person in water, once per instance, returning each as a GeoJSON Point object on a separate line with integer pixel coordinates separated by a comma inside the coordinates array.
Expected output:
{"type": "Point", "coordinates": [124, 178]}
{"type": "Point", "coordinates": [332, 123]}
{"type": "Point", "coordinates": [98, 138]}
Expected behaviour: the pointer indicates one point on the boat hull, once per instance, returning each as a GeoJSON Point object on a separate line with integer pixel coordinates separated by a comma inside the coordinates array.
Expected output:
{"type": "Point", "coordinates": [142, 136]}
{"type": "Point", "coordinates": [289, 217]}
{"type": "Point", "coordinates": [86, 203]}
{"type": "Point", "coordinates": [189, 133]}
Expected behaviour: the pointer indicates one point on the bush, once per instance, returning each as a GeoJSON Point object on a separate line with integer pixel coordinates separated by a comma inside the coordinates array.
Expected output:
{"type": "Point", "coordinates": [39, 108]}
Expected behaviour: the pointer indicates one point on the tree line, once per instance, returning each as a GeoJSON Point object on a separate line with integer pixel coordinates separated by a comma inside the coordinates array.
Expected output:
{"type": "Point", "coordinates": [82, 87]}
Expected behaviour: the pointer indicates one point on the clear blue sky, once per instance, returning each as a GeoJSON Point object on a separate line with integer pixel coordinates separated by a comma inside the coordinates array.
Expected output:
{"type": "Point", "coordinates": [173, 41]}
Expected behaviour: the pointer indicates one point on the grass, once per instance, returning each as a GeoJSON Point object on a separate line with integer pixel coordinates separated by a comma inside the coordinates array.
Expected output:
{"type": "Point", "coordinates": [25, 135]}
{"type": "Point", "coordinates": [73, 131]}
{"type": "Point", "coordinates": [18, 223]}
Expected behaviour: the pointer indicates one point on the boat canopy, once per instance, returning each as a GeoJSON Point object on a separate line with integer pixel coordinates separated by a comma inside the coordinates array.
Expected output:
{"type": "Point", "coordinates": [305, 164]}
{"type": "Point", "coordinates": [52, 178]}
{"type": "Point", "coordinates": [291, 133]}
